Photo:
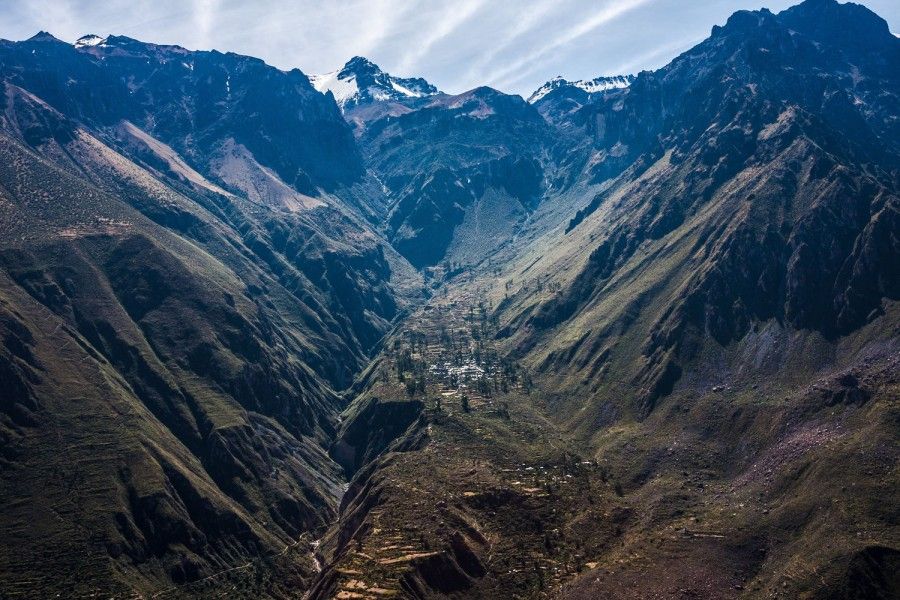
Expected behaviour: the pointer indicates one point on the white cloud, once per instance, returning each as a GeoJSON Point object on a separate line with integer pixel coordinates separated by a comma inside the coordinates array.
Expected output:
{"type": "Point", "coordinates": [205, 13]}
{"type": "Point", "coordinates": [453, 16]}
{"type": "Point", "coordinates": [523, 21]}
{"type": "Point", "coordinates": [521, 68]}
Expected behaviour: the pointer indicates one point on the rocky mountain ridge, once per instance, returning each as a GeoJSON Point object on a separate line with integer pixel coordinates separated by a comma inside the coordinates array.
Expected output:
{"type": "Point", "coordinates": [592, 86]}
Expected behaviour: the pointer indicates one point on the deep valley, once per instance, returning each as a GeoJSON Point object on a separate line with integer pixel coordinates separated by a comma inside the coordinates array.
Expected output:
{"type": "Point", "coordinates": [267, 335]}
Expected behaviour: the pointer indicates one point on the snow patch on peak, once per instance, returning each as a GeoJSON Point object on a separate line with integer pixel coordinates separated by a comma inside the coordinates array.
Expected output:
{"type": "Point", "coordinates": [592, 86]}
{"type": "Point", "coordinates": [601, 84]}
{"type": "Point", "coordinates": [405, 90]}
{"type": "Point", "coordinates": [89, 40]}
{"type": "Point", "coordinates": [344, 90]}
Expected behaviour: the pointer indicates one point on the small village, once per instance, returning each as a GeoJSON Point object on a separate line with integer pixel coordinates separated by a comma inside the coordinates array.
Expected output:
{"type": "Point", "coordinates": [449, 360]}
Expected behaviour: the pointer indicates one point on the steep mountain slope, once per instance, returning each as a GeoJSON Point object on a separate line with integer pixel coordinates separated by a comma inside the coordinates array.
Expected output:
{"type": "Point", "coordinates": [183, 288]}
{"type": "Point", "coordinates": [767, 180]}
{"type": "Point", "coordinates": [679, 378]}
{"type": "Point", "coordinates": [747, 249]}
{"type": "Point", "coordinates": [461, 172]}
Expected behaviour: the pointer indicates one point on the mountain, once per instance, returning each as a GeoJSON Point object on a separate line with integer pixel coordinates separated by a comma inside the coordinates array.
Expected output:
{"type": "Point", "coordinates": [631, 342]}
{"type": "Point", "coordinates": [580, 88]}
{"type": "Point", "coordinates": [184, 289]}
{"type": "Point", "coordinates": [557, 99]}
{"type": "Point", "coordinates": [678, 377]}
{"type": "Point", "coordinates": [772, 113]}
{"type": "Point", "coordinates": [733, 258]}
{"type": "Point", "coordinates": [461, 172]}
{"type": "Point", "coordinates": [361, 81]}
{"type": "Point", "coordinates": [195, 102]}
{"type": "Point", "coordinates": [741, 193]}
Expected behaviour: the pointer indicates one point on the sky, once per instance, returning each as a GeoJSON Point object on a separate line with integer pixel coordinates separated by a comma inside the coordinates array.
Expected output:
{"type": "Point", "coordinates": [512, 45]}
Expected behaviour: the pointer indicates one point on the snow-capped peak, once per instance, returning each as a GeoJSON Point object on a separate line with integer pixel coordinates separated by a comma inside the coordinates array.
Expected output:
{"type": "Point", "coordinates": [361, 81]}
{"type": "Point", "coordinates": [89, 40]}
{"type": "Point", "coordinates": [592, 86]}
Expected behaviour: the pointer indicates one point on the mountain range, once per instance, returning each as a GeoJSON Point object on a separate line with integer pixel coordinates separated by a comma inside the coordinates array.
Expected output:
{"type": "Point", "coordinates": [272, 335]}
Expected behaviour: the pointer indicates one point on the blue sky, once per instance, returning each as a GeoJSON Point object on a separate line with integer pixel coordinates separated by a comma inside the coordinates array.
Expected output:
{"type": "Point", "coordinates": [456, 44]}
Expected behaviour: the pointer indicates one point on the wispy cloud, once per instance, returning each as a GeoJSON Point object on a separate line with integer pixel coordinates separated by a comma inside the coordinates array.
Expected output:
{"type": "Point", "coordinates": [525, 21]}
{"type": "Point", "coordinates": [205, 13]}
{"type": "Point", "coordinates": [451, 18]}
{"type": "Point", "coordinates": [656, 56]}
{"type": "Point", "coordinates": [521, 68]}
{"type": "Point", "coordinates": [381, 17]}
{"type": "Point", "coordinates": [64, 15]}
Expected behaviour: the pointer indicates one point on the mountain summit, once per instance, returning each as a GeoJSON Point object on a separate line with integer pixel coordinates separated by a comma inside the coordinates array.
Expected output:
{"type": "Point", "coordinates": [592, 86]}
{"type": "Point", "coordinates": [360, 81]}
{"type": "Point", "coordinates": [89, 40]}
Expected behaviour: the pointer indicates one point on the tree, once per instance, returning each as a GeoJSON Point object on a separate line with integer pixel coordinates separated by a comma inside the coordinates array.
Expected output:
{"type": "Point", "coordinates": [503, 411]}
{"type": "Point", "coordinates": [527, 383]}
{"type": "Point", "coordinates": [464, 402]}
